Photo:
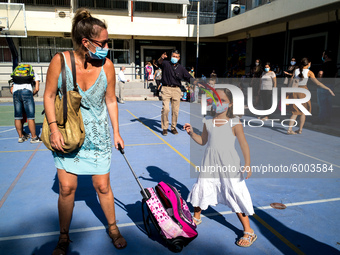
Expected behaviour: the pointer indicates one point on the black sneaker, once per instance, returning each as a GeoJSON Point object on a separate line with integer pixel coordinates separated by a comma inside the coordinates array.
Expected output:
{"type": "Point", "coordinates": [36, 139]}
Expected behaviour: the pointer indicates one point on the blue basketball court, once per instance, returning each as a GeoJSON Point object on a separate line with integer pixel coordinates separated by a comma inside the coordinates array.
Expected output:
{"type": "Point", "coordinates": [309, 224]}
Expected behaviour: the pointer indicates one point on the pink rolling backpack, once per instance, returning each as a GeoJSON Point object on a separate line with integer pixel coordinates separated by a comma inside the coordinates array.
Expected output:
{"type": "Point", "coordinates": [168, 212]}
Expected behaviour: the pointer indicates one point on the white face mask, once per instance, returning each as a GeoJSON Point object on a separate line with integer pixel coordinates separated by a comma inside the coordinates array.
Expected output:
{"type": "Point", "coordinates": [220, 108]}
{"type": "Point", "coordinates": [256, 63]}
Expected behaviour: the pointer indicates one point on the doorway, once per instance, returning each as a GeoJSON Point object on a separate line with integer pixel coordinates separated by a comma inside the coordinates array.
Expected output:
{"type": "Point", "coordinates": [310, 46]}
{"type": "Point", "coordinates": [148, 53]}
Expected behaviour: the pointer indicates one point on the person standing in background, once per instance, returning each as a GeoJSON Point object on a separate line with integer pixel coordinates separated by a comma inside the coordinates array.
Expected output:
{"type": "Point", "coordinates": [301, 76]}
{"type": "Point", "coordinates": [24, 103]}
{"type": "Point", "coordinates": [256, 81]}
{"type": "Point", "coordinates": [158, 78]}
{"type": "Point", "coordinates": [290, 71]}
{"type": "Point", "coordinates": [172, 75]}
{"type": "Point", "coordinates": [192, 72]}
{"type": "Point", "coordinates": [268, 81]}
{"type": "Point", "coordinates": [121, 82]}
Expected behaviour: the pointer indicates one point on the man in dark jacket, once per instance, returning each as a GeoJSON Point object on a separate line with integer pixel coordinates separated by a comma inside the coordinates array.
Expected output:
{"type": "Point", "coordinates": [172, 75]}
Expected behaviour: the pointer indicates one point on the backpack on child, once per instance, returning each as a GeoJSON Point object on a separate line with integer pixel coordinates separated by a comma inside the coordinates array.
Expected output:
{"type": "Point", "coordinates": [23, 74]}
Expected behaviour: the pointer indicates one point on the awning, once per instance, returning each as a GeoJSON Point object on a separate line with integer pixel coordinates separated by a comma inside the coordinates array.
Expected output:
{"type": "Point", "coordinates": [165, 1]}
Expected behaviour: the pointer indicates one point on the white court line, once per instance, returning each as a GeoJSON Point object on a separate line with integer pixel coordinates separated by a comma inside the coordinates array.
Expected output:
{"type": "Point", "coordinates": [8, 138]}
{"type": "Point", "coordinates": [79, 230]}
{"type": "Point", "coordinates": [7, 130]}
{"type": "Point", "coordinates": [301, 153]}
{"type": "Point", "coordinates": [288, 205]}
{"type": "Point", "coordinates": [126, 124]}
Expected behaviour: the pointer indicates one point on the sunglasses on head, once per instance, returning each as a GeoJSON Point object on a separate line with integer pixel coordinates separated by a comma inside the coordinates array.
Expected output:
{"type": "Point", "coordinates": [100, 44]}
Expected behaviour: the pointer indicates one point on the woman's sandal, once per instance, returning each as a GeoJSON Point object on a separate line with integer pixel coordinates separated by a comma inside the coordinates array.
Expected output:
{"type": "Point", "coordinates": [62, 246]}
{"type": "Point", "coordinates": [117, 239]}
{"type": "Point", "coordinates": [197, 221]}
{"type": "Point", "coordinates": [291, 132]}
{"type": "Point", "coordinates": [251, 239]}
{"type": "Point", "coordinates": [299, 131]}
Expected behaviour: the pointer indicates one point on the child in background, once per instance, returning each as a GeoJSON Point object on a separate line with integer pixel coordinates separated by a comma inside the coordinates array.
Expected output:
{"type": "Point", "coordinates": [223, 187]}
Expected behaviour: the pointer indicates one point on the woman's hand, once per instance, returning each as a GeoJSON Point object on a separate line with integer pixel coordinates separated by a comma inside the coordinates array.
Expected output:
{"type": "Point", "coordinates": [57, 141]}
{"type": "Point", "coordinates": [247, 169]}
{"type": "Point", "coordinates": [118, 140]}
{"type": "Point", "coordinates": [332, 93]}
{"type": "Point", "coordinates": [187, 127]}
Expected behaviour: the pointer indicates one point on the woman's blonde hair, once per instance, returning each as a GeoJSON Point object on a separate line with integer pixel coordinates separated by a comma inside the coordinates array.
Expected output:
{"type": "Point", "coordinates": [85, 26]}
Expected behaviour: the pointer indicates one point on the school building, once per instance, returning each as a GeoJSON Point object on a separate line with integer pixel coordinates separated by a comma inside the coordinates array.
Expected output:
{"type": "Point", "coordinates": [232, 34]}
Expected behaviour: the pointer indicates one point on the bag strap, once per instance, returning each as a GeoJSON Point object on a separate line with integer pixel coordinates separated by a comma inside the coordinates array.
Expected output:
{"type": "Point", "coordinates": [74, 74]}
{"type": "Point", "coordinates": [63, 86]}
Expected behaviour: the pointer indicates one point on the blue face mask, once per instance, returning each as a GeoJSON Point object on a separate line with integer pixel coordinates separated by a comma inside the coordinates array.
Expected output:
{"type": "Point", "coordinates": [266, 69]}
{"type": "Point", "coordinates": [100, 53]}
{"type": "Point", "coordinates": [323, 59]}
{"type": "Point", "coordinates": [220, 108]}
{"type": "Point", "coordinates": [174, 60]}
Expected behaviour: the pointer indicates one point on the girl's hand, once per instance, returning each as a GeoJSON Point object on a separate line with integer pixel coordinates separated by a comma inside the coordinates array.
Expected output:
{"type": "Point", "coordinates": [187, 127]}
{"type": "Point", "coordinates": [57, 140]}
{"type": "Point", "coordinates": [247, 169]}
{"type": "Point", "coordinates": [118, 140]}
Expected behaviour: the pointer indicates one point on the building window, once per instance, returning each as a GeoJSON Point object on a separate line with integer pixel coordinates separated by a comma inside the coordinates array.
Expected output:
{"type": "Point", "coordinates": [119, 51]}
{"type": "Point", "coordinates": [5, 53]}
{"type": "Point", "coordinates": [65, 3]}
{"type": "Point", "coordinates": [42, 49]}
{"type": "Point", "coordinates": [158, 7]}
{"type": "Point", "coordinates": [103, 4]}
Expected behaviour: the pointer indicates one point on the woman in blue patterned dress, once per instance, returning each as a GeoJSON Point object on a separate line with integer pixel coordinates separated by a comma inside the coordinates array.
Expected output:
{"type": "Point", "coordinates": [96, 82]}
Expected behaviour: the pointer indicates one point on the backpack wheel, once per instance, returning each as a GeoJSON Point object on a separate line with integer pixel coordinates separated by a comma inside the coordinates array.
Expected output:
{"type": "Point", "coordinates": [176, 246]}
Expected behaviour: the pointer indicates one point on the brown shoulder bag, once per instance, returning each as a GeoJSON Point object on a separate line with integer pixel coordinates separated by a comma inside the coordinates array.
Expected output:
{"type": "Point", "coordinates": [68, 114]}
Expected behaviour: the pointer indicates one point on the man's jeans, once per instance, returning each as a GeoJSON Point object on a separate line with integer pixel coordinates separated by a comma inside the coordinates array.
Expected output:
{"type": "Point", "coordinates": [325, 103]}
{"type": "Point", "coordinates": [23, 102]}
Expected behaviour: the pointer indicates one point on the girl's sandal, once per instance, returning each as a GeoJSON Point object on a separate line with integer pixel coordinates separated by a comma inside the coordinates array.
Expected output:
{"type": "Point", "coordinates": [197, 221]}
{"type": "Point", "coordinates": [117, 239]}
{"type": "Point", "coordinates": [291, 132]}
{"type": "Point", "coordinates": [62, 246]}
{"type": "Point", "coordinates": [251, 239]}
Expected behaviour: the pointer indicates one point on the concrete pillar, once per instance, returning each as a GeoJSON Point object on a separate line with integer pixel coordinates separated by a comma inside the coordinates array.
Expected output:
{"type": "Point", "coordinates": [133, 59]}
{"type": "Point", "coordinates": [338, 59]}
{"type": "Point", "coordinates": [183, 53]}
{"type": "Point", "coordinates": [73, 6]}
{"type": "Point", "coordinates": [129, 8]}
{"type": "Point", "coordinates": [249, 54]}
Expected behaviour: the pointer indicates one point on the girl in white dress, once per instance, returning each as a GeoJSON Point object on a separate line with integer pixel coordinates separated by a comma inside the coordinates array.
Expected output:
{"type": "Point", "coordinates": [221, 179]}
